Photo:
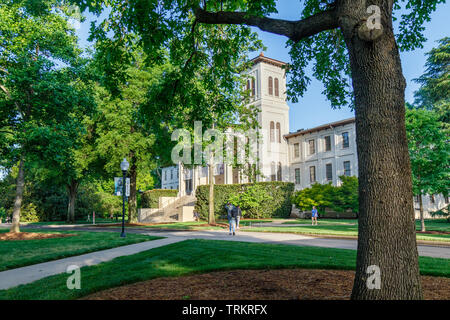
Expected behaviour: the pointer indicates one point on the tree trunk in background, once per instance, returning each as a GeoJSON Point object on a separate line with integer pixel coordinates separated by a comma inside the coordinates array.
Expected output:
{"type": "Point", "coordinates": [386, 233]}
{"type": "Point", "coordinates": [20, 183]}
{"type": "Point", "coordinates": [72, 189]}
{"type": "Point", "coordinates": [132, 200]}
{"type": "Point", "coordinates": [211, 217]}
{"type": "Point", "coordinates": [422, 220]}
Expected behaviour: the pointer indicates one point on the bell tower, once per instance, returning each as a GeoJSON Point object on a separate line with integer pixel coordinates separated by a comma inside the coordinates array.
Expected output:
{"type": "Point", "coordinates": [267, 85]}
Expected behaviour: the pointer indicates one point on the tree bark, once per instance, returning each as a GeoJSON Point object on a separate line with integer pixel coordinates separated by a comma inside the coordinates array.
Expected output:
{"type": "Point", "coordinates": [386, 233]}
{"type": "Point", "coordinates": [72, 189]}
{"type": "Point", "coordinates": [20, 183]}
{"type": "Point", "coordinates": [132, 200]}
{"type": "Point", "coordinates": [422, 220]}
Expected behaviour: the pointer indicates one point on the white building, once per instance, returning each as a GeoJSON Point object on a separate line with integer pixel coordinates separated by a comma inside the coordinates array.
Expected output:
{"type": "Point", "coordinates": [319, 154]}
{"type": "Point", "coordinates": [323, 153]}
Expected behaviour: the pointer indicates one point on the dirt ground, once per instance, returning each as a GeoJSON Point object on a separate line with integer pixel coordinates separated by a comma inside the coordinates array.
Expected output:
{"type": "Point", "coordinates": [284, 284]}
{"type": "Point", "coordinates": [9, 236]}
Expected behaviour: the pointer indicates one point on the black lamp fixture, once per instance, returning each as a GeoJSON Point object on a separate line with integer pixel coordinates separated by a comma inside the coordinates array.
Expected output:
{"type": "Point", "coordinates": [124, 165]}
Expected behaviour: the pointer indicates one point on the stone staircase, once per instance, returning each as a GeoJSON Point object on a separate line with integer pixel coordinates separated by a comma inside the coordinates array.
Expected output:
{"type": "Point", "coordinates": [173, 210]}
{"type": "Point", "coordinates": [169, 213]}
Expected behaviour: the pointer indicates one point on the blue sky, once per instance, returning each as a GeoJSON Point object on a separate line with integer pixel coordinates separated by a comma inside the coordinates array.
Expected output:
{"type": "Point", "coordinates": [313, 109]}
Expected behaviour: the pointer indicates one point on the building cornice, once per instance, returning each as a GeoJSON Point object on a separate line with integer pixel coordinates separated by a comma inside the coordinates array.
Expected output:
{"type": "Point", "coordinates": [262, 58]}
{"type": "Point", "coordinates": [320, 128]}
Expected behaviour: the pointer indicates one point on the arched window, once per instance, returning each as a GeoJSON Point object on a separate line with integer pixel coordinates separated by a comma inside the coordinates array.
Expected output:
{"type": "Point", "coordinates": [278, 132]}
{"type": "Point", "coordinates": [279, 172]}
{"type": "Point", "coordinates": [272, 133]}
{"type": "Point", "coordinates": [253, 87]}
{"type": "Point", "coordinates": [273, 175]}
{"type": "Point", "coordinates": [277, 92]}
{"type": "Point", "coordinates": [270, 86]}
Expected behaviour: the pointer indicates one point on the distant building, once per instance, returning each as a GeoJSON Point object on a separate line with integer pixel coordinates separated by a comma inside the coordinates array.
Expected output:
{"type": "Point", "coordinates": [320, 154]}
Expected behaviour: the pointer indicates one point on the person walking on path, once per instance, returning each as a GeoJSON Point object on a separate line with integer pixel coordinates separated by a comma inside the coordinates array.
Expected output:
{"type": "Point", "coordinates": [238, 216]}
{"type": "Point", "coordinates": [314, 215]}
{"type": "Point", "coordinates": [233, 220]}
{"type": "Point", "coordinates": [229, 207]}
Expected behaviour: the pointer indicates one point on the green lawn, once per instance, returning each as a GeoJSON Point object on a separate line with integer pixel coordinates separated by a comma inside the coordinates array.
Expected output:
{"type": "Point", "coordinates": [97, 221]}
{"type": "Point", "coordinates": [193, 225]}
{"type": "Point", "coordinates": [199, 256]}
{"type": "Point", "coordinates": [323, 221]}
{"type": "Point", "coordinates": [349, 227]}
{"type": "Point", "coordinates": [435, 225]}
{"type": "Point", "coordinates": [197, 225]}
{"type": "Point", "coordinates": [14, 254]}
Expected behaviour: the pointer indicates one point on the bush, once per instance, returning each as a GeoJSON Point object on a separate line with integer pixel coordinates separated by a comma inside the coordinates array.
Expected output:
{"type": "Point", "coordinates": [150, 198]}
{"type": "Point", "coordinates": [28, 213]}
{"type": "Point", "coordinates": [257, 200]}
{"type": "Point", "coordinates": [2, 214]}
{"type": "Point", "coordinates": [340, 199]}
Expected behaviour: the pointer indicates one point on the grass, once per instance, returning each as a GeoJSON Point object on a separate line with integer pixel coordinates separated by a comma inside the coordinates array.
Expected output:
{"type": "Point", "coordinates": [435, 225]}
{"type": "Point", "coordinates": [349, 228]}
{"type": "Point", "coordinates": [197, 225]}
{"type": "Point", "coordinates": [199, 256]}
{"type": "Point", "coordinates": [45, 223]}
{"type": "Point", "coordinates": [14, 254]}
{"type": "Point", "coordinates": [323, 221]}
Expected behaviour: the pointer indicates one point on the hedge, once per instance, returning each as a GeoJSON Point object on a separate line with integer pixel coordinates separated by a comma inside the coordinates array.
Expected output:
{"type": "Point", "coordinates": [150, 198]}
{"type": "Point", "coordinates": [278, 206]}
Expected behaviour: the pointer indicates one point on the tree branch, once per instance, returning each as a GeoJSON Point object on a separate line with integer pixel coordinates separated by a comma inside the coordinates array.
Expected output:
{"type": "Point", "coordinates": [294, 30]}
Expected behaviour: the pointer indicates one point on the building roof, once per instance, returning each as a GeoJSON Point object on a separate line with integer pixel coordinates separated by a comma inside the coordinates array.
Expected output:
{"type": "Point", "coordinates": [319, 128]}
{"type": "Point", "coordinates": [262, 58]}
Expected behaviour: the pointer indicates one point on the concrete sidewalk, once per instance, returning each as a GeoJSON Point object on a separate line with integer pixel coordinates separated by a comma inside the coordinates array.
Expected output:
{"type": "Point", "coordinates": [14, 277]}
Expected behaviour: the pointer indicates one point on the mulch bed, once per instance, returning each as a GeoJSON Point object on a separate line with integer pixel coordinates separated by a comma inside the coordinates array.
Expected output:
{"type": "Point", "coordinates": [433, 232]}
{"type": "Point", "coordinates": [284, 284]}
{"type": "Point", "coordinates": [9, 236]}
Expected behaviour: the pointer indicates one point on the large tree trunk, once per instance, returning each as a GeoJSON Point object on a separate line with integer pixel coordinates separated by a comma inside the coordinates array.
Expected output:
{"type": "Point", "coordinates": [422, 220]}
{"type": "Point", "coordinates": [386, 234]}
{"type": "Point", "coordinates": [132, 201]}
{"type": "Point", "coordinates": [20, 183]}
{"type": "Point", "coordinates": [72, 189]}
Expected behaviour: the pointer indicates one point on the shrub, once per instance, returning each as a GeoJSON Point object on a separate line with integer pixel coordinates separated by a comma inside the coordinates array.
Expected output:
{"type": "Point", "coordinates": [150, 198]}
{"type": "Point", "coordinates": [2, 214]}
{"type": "Point", "coordinates": [340, 199]}
{"type": "Point", "coordinates": [28, 213]}
{"type": "Point", "coordinates": [257, 200]}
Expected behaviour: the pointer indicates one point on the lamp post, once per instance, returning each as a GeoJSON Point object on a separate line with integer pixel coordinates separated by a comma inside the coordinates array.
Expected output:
{"type": "Point", "coordinates": [124, 165]}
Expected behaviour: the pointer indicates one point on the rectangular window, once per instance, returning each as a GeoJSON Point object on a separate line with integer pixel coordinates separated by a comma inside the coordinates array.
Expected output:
{"type": "Point", "coordinates": [327, 143]}
{"type": "Point", "coordinates": [417, 199]}
{"type": "Point", "coordinates": [312, 146]}
{"type": "Point", "coordinates": [296, 150]}
{"type": "Point", "coordinates": [253, 87]}
{"type": "Point", "coordinates": [432, 198]}
{"type": "Point", "coordinates": [329, 171]}
{"type": "Point", "coordinates": [297, 176]}
{"type": "Point", "coordinates": [347, 170]}
{"type": "Point", "coordinates": [312, 174]}
{"type": "Point", "coordinates": [446, 200]}
{"type": "Point", "coordinates": [345, 142]}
